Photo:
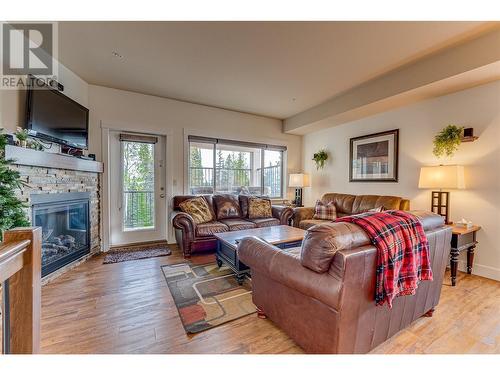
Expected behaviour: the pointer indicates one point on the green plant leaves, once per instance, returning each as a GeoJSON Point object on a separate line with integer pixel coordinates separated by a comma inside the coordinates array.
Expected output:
{"type": "Point", "coordinates": [446, 142]}
{"type": "Point", "coordinates": [12, 209]}
{"type": "Point", "coordinates": [320, 158]}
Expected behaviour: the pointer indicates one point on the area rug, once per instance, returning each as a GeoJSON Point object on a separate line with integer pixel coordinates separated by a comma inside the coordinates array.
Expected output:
{"type": "Point", "coordinates": [207, 296]}
{"type": "Point", "coordinates": [124, 254]}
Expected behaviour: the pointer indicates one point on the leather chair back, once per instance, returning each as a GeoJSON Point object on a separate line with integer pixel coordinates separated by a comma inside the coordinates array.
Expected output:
{"type": "Point", "coordinates": [348, 204]}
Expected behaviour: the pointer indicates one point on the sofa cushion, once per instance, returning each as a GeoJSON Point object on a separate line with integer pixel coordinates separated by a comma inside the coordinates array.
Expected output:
{"type": "Point", "coordinates": [363, 203]}
{"type": "Point", "coordinates": [325, 211]}
{"type": "Point", "coordinates": [306, 224]}
{"type": "Point", "coordinates": [259, 208]}
{"type": "Point", "coordinates": [198, 209]}
{"type": "Point", "coordinates": [227, 206]}
{"type": "Point", "coordinates": [321, 242]}
{"type": "Point", "coordinates": [238, 224]}
{"type": "Point", "coordinates": [265, 222]}
{"type": "Point", "coordinates": [210, 228]}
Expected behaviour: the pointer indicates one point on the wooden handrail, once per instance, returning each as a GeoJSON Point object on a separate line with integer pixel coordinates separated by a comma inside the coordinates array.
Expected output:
{"type": "Point", "coordinates": [20, 266]}
{"type": "Point", "coordinates": [11, 258]}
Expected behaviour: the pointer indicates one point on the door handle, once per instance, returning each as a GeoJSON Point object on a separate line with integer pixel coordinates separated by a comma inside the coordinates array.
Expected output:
{"type": "Point", "coordinates": [162, 195]}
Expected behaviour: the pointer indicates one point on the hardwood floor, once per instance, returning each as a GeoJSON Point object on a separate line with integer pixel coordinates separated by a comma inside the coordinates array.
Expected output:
{"type": "Point", "coordinates": [127, 308]}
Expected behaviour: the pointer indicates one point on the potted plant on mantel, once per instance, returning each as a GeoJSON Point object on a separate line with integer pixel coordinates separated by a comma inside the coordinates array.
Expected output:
{"type": "Point", "coordinates": [21, 136]}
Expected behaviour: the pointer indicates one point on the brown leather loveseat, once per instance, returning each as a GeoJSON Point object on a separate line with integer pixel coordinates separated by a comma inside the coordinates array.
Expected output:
{"type": "Point", "coordinates": [322, 295]}
{"type": "Point", "coordinates": [230, 212]}
{"type": "Point", "coordinates": [347, 204]}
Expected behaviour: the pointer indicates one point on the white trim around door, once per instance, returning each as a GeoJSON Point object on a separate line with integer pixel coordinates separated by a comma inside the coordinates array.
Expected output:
{"type": "Point", "coordinates": [106, 128]}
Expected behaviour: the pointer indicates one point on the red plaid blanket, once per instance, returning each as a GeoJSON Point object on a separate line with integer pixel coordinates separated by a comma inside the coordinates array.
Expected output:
{"type": "Point", "coordinates": [402, 252]}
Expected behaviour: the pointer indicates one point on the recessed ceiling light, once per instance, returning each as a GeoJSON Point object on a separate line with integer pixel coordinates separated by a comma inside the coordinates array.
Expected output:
{"type": "Point", "coordinates": [117, 55]}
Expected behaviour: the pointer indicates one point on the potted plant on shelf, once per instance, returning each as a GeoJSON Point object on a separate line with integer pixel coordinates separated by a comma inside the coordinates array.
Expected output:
{"type": "Point", "coordinates": [320, 158]}
{"type": "Point", "coordinates": [21, 136]}
{"type": "Point", "coordinates": [446, 142]}
{"type": "Point", "coordinates": [34, 144]}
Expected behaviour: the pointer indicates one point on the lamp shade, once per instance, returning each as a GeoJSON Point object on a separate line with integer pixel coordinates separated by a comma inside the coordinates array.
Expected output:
{"type": "Point", "coordinates": [442, 177]}
{"type": "Point", "coordinates": [298, 180]}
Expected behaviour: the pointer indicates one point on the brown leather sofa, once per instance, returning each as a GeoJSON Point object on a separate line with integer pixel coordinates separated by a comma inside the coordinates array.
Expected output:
{"type": "Point", "coordinates": [231, 213]}
{"type": "Point", "coordinates": [347, 204]}
{"type": "Point", "coordinates": [331, 309]}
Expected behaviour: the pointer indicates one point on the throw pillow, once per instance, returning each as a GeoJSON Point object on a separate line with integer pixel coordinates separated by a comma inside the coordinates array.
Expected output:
{"type": "Point", "coordinates": [259, 208]}
{"type": "Point", "coordinates": [325, 211]}
{"type": "Point", "coordinates": [198, 209]}
{"type": "Point", "coordinates": [227, 206]}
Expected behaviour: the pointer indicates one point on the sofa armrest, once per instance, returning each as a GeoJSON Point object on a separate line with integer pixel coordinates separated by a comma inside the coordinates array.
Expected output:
{"type": "Point", "coordinates": [283, 214]}
{"type": "Point", "coordinates": [185, 223]}
{"type": "Point", "coordinates": [302, 213]}
{"type": "Point", "coordinates": [285, 268]}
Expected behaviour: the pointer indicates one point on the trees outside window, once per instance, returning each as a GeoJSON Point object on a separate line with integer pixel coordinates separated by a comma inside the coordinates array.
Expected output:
{"type": "Point", "coordinates": [138, 184]}
{"type": "Point", "coordinates": [234, 169]}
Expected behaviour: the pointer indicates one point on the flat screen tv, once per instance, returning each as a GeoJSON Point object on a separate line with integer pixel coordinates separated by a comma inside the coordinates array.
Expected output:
{"type": "Point", "coordinates": [53, 116]}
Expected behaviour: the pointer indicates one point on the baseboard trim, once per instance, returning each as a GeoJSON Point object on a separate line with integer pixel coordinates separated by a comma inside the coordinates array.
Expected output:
{"type": "Point", "coordinates": [480, 270]}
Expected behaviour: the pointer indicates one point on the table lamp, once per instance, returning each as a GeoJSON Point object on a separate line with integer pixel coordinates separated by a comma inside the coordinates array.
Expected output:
{"type": "Point", "coordinates": [298, 181]}
{"type": "Point", "coordinates": [442, 177]}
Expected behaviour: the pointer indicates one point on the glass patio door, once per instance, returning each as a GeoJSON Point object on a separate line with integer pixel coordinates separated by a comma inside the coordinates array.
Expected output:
{"type": "Point", "coordinates": [137, 194]}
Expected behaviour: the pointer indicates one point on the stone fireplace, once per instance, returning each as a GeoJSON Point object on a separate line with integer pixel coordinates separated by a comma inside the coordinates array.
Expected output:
{"type": "Point", "coordinates": [62, 196]}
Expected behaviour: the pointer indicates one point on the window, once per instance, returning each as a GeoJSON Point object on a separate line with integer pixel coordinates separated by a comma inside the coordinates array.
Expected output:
{"type": "Point", "coordinates": [232, 167]}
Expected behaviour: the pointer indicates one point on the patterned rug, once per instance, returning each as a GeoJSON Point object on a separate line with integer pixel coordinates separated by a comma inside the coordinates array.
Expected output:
{"type": "Point", "coordinates": [126, 253]}
{"type": "Point", "coordinates": [207, 296]}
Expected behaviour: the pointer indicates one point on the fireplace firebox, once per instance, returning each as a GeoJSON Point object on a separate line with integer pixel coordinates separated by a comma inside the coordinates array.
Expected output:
{"type": "Point", "coordinates": [64, 218]}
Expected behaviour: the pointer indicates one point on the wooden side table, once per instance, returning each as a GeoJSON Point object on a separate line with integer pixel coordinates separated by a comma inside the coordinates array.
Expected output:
{"type": "Point", "coordinates": [462, 239]}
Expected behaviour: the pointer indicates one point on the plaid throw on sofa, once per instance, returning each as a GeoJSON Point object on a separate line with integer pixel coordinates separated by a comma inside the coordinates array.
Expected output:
{"type": "Point", "coordinates": [325, 211]}
{"type": "Point", "coordinates": [402, 252]}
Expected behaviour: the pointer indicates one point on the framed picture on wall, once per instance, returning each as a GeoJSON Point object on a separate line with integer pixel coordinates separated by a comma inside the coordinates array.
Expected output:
{"type": "Point", "coordinates": [374, 157]}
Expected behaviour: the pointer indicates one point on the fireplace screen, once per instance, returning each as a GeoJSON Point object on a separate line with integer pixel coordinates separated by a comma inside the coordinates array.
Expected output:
{"type": "Point", "coordinates": [65, 229]}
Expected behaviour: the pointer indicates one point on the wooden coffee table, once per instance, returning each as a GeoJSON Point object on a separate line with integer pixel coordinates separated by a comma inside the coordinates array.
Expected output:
{"type": "Point", "coordinates": [281, 236]}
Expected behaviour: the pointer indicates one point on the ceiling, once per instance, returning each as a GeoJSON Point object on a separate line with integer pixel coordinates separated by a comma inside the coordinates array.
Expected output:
{"type": "Point", "coordinates": [275, 69]}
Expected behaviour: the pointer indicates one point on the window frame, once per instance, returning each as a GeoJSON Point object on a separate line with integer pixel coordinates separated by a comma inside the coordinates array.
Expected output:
{"type": "Point", "coordinates": [217, 141]}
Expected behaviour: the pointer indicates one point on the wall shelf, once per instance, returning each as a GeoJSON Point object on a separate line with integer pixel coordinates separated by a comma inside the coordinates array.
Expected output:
{"type": "Point", "coordinates": [27, 156]}
{"type": "Point", "coordinates": [469, 139]}
{"type": "Point", "coordinates": [468, 135]}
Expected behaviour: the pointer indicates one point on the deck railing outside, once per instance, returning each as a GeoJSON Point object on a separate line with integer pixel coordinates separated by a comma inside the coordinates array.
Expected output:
{"type": "Point", "coordinates": [138, 209]}
{"type": "Point", "coordinates": [201, 180]}
{"type": "Point", "coordinates": [272, 179]}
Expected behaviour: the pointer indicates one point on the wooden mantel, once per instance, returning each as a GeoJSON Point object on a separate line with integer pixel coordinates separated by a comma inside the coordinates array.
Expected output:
{"type": "Point", "coordinates": [27, 156]}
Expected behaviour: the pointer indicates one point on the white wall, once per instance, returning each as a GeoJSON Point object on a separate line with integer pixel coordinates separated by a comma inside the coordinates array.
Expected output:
{"type": "Point", "coordinates": [479, 108]}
